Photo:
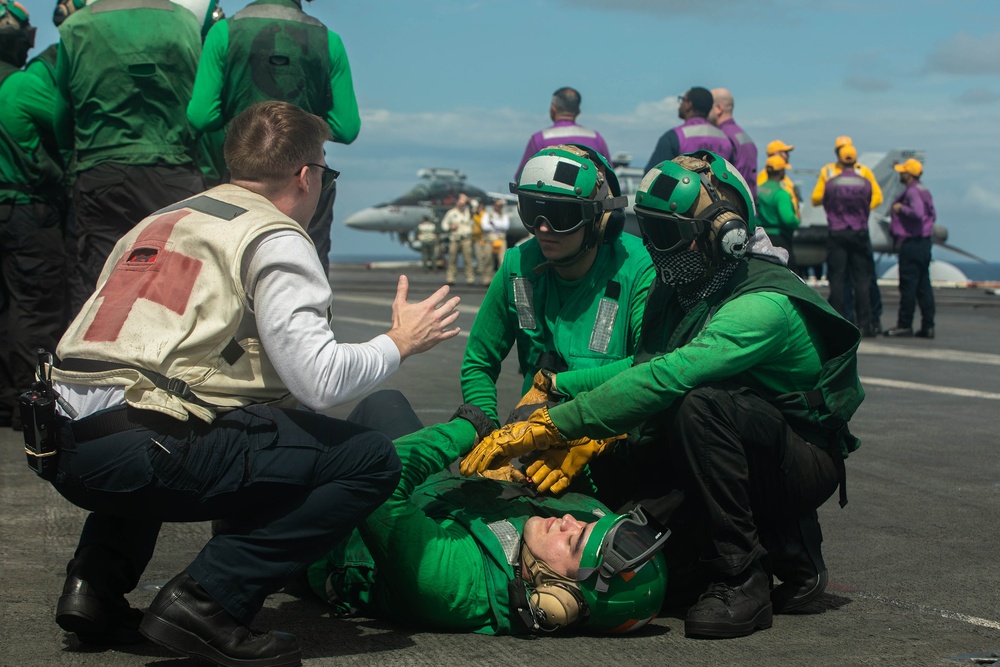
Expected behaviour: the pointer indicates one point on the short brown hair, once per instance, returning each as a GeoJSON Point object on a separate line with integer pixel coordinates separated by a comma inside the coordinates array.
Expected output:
{"type": "Point", "coordinates": [269, 141]}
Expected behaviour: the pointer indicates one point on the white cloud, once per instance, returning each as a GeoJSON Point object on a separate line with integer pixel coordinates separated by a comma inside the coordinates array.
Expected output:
{"type": "Point", "coordinates": [982, 197]}
{"type": "Point", "coordinates": [967, 54]}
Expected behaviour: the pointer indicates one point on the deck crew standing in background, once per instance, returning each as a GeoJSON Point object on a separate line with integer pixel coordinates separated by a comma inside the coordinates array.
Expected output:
{"type": "Point", "coordinates": [272, 50]}
{"type": "Point", "coordinates": [427, 237]}
{"type": "Point", "coordinates": [912, 227]}
{"type": "Point", "coordinates": [495, 224]}
{"type": "Point", "coordinates": [696, 133]}
{"type": "Point", "coordinates": [125, 72]}
{"type": "Point", "coordinates": [847, 200]}
{"type": "Point", "coordinates": [563, 110]}
{"type": "Point", "coordinates": [782, 150]}
{"type": "Point", "coordinates": [745, 155]}
{"type": "Point", "coordinates": [457, 226]}
{"type": "Point", "coordinates": [32, 277]}
{"type": "Point", "coordinates": [776, 209]}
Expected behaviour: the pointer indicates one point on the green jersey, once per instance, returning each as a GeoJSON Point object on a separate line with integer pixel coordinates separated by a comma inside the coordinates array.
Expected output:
{"type": "Point", "coordinates": [765, 329]}
{"type": "Point", "coordinates": [775, 208]}
{"type": "Point", "coordinates": [27, 171]}
{"type": "Point", "coordinates": [271, 50]}
{"type": "Point", "coordinates": [125, 71]}
{"type": "Point", "coordinates": [585, 329]}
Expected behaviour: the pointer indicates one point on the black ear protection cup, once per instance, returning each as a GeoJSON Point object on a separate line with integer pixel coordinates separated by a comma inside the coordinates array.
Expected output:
{"type": "Point", "coordinates": [729, 234]}
{"type": "Point", "coordinates": [731, 237]}
{"type": "Point", "coordinates": [556, 605]}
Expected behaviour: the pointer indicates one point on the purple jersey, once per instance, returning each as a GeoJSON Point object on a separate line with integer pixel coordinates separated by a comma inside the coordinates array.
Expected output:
{"type": "Point", "coordinates": [847, 201]}
{"type": "Point", "coordinates": [563, 132]}
{"type": "Point", "coordinates": [745, 159]}
{"type": "Point", "coordinates": [916, 218]}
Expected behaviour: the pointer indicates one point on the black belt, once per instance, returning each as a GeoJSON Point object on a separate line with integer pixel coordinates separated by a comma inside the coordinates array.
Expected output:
{"type": "Point", "coordinates": [111, 421]}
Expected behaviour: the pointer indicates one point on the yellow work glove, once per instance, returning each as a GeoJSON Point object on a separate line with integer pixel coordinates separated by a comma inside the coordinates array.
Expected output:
{"type": "Point", "coordinates": [556, 468]}
{"type": "Point", "coordinates": [507, 473]}
{"type": "Point", "coordinates": [541, 394]}
{"type": "Point", "coordinates": [513, 440]}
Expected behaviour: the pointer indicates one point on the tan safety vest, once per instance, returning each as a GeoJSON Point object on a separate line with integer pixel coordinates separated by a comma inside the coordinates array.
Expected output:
{"type": "Point", "coordinates": [169, 320]}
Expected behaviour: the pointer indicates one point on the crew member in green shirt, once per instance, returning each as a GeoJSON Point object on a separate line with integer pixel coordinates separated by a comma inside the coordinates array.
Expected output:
{"type": "Point", "coordinates": [776, 208]}
{"type": "Point", "coordinates": [272, 50]}
{"type": "Point", "coordinates": [493, 557]}
{"type": "Point", "coordinates": [125, 71]}
{"type": "Point", "coordinates": [32, 280]}
{"type": "Point", "coordinates": [743, 386]}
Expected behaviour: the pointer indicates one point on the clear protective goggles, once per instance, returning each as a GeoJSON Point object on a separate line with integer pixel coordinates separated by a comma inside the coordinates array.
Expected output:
{"type": "Point", "coordinates": [630, 543]}
{"type": "Point", "coordinates": [669, 232]}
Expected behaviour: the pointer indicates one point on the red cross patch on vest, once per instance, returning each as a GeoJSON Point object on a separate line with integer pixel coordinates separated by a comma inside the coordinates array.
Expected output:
{"type": "Point", "coordinates": [146, 271]}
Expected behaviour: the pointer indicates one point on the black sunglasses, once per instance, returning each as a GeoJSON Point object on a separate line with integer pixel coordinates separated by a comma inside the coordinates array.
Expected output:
{"type": "Point", "coordinates": [329, 175]}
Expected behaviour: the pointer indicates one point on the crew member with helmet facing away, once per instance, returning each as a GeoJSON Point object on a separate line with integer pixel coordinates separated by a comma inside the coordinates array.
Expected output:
{"type": "Point", "coordinates": [743, 386]}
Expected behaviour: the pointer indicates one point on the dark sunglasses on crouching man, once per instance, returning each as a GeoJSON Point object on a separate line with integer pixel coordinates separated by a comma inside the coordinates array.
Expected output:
{"type": "Point", "coordinates": [329, 175]}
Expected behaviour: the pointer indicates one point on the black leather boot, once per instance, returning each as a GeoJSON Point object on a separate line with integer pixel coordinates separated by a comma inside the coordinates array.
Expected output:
{"type": "Point", "coordinates": [798, 563]}
{"type": "Point", "coordinates": [90, 606]}
{"type": "Point", "coordinates": [734, 607]}
{"type": "Point", "coordinates": [186, 619]}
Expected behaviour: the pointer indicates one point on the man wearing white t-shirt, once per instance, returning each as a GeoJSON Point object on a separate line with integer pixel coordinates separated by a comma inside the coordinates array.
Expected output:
{"type": "Point", "coordinates": [210, 323]}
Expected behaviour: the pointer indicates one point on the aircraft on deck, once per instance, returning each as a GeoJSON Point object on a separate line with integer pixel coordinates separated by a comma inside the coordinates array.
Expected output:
{"type": "Point", "coordinates": [437, 192]}
{"type": "Point", "coordinates": [439, 188]}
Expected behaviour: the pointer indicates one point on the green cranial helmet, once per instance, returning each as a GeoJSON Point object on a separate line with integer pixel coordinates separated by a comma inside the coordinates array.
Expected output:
{"type": "Point", "coordinates": [567, 188]}
{"type": "Point", "coordinates": [696, 197]}
{"type": "Point", "coordinates": [622, 576]}
{"type": "Point", "coordinates": [17, 35]}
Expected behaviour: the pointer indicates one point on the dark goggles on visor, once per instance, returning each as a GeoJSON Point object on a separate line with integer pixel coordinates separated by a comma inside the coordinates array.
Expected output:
{"type": "Point", "coordinates": [630, 543]}
{"type": "Point", "coordinates": [667, 233]}
{"type": "Point", "coordinates": [562, 216]}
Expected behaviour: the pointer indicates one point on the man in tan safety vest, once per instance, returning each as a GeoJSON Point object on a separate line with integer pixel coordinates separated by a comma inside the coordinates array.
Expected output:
{"type": "Point", "coordinates": [178, 381]}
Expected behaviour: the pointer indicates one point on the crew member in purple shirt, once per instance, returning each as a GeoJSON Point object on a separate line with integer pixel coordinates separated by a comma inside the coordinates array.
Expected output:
{"type": "Point", "coordinates": [695, 134]}
{"type": "Point", "coordinates": [745, 158]}
{"type": "Point", "coordinates": [847, 202]}
{"type": "Point", "coordinates": [912, 228]}
{"type": "Point", "coordinates": [563, 110]}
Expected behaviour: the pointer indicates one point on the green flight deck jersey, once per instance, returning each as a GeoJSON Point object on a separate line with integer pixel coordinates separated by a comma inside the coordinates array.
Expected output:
{"type": "Point", "coordinates": [125, 71]}
{"type": "Point", "coordinates": [27, 171]}
{"type": "Point", "coordinates": [272, 50]}
{"type": "Point", "coordinates": [775, 209]}
{"type": "Point", "coordinates": [440, 553]}
{"type": "Point", "coordinates": [765, 329]}
{"type": "Point", "coordinates": [576, 328]}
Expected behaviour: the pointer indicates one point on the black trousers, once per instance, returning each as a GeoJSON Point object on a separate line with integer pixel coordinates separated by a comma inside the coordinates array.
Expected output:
{"type": "Point", "coordinates": [32, 294]}
{"type": "Point", "coordinates": [915, 282]}
{"type": "Point", "coordinates": [321, 223]}
{"type": "Point", "coordinates": [849, 261]}
{"type": "Point", "coordinates": [742, 468]}
{"type": "Point", "coordinates": [109, 200]}
{"type": "Point", "coordinates": [290, 484]}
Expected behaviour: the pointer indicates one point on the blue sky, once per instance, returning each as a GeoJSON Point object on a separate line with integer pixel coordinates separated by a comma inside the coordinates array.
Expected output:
{"type": "Point", "coordinates": [463, 83]}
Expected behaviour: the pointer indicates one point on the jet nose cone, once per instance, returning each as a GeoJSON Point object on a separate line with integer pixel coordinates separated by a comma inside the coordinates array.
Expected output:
{"type": "Point", "coordinates": [368, 219]}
